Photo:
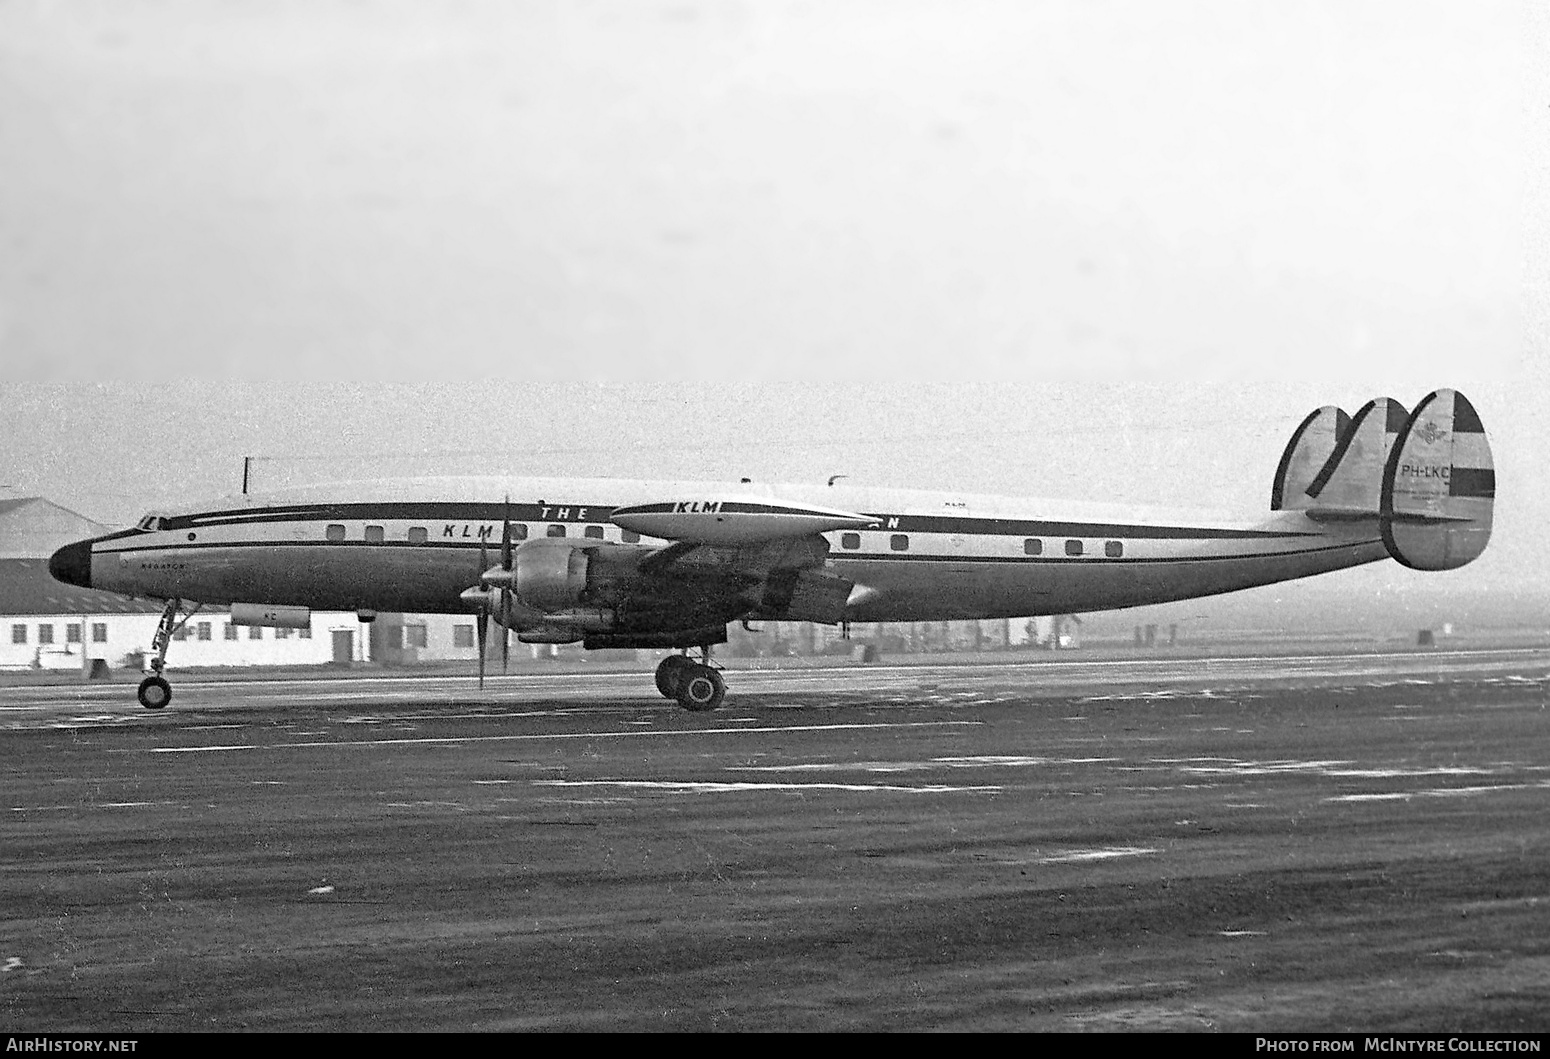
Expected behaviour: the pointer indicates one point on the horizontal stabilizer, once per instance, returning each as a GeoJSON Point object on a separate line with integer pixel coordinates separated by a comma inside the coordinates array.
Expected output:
{"type": "Point", "coordinates": [1439, 486]}
{"type": "Point", "coordinates": [1350, 484]}
{"type": "Point", "coordinates": [1310, 448]}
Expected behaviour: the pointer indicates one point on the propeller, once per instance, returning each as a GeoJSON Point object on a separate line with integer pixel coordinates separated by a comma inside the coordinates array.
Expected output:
{"type": "Point", "coordinates": [479, 596]}
{"type": "Point", "coordinates": [506, 593]}
{"type": "Point", "coordinates": [484, 615]}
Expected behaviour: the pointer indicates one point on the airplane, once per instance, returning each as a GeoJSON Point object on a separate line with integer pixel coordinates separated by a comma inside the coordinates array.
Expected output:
{"type": "Point", "coordinates": [643, 564]}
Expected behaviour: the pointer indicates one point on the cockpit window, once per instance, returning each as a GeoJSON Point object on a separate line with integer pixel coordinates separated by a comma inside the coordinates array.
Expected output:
{"type": "Point", "coordinates": [150, 522]}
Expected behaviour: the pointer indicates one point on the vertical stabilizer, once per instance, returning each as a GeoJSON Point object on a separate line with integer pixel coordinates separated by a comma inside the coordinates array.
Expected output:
{"type": "Point", "coordinates": [1439, 486]}
{"type": "Point", "coordinates": [1350, 484]}
{"type": "Point", "coordinates": [1306, 454]}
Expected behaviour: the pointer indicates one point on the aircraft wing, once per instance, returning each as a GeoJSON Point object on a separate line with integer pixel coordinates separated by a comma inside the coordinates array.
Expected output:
{"type": "Point", "coordinates": [769, 553]}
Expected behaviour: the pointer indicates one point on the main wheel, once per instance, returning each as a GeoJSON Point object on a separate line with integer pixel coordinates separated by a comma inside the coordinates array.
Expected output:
{"type": "Point", "coordinates": [670, 673]}
{"type": "Point", "coordinates": [155, 693]}
{"type": "Point", "coordinates": [700, 688]}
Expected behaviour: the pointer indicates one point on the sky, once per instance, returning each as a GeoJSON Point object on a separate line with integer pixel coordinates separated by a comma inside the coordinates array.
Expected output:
{"type": "Point", "coordinates": [1097, 250]}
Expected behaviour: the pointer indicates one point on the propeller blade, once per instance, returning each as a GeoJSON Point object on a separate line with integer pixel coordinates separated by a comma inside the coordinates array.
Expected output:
{"type": "Point", "coordinates": [506, 537]}
{"type": "Point", "coordinates": [484, 639]}
{"type": "Point", "coordinates": [505, 647]}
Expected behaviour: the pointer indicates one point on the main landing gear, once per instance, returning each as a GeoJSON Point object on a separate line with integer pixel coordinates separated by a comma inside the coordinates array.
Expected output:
{"type": "Point", "coordinates": [155, 692]}
{"type": "Point", "coordinates": [695, 685]}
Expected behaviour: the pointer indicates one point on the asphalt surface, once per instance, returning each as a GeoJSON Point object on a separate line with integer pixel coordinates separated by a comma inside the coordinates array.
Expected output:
{"type": "Point", "coordinates": [1255, 844]}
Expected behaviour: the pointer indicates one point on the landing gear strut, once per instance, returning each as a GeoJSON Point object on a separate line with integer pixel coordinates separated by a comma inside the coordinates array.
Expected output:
{"type": "Point", "coordinates": [155, 692]}
{"type": "Point", "coordinates": [696, 685]}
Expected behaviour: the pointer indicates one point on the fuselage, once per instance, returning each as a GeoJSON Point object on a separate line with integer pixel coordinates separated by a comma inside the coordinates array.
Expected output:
{"type": "Point", "coordinates": [416, 545]}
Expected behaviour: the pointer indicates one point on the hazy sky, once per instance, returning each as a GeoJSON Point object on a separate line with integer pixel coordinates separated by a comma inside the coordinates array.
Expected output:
{"type": "Point", "coordinates": [1129, 244]}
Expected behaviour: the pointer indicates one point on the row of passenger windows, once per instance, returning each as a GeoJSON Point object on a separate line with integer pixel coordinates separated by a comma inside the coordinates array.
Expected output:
{"type": "Point", "coordinates": [900, 542]}
{"type": "Point", "coordinates": [419, 534]}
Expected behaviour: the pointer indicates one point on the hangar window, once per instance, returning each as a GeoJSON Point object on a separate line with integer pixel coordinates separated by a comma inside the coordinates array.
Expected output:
{"type": "Point", "coordinates": [45, 634]}
{"type": "Point", "coordinates": [630, 537]}
{"type": "Point", "coordinates": [851, 541]}
{"type": "Point", "coordinates": [556, 531]}
{"type": "Point", "coordinates": [99, 632]}
{"type": "Point", "coordinates": [72, 633]}
{"type": "Point", "coordinates": [18, 634]}
{"type": "Point", "coordinates": [255, 632]}
{"type": "Point", "coordinates": [415, 636]}
{"type": "Point", "coordinates": [374, 534]}
{"type": "Point", "coordinates": [1114, 549]}
{"type": "Point", "coordinates": [462, 636]}
{"type": "Point", "coordinates": [595, 532]}
{"type": "Point", "coordinates": [203, 630]}
{"type": "Point", "coordinates": [335, 532]}
{"type": "Point", "coordinates": [304, 634]}
{"type": "Point", "coordinates": [899, 542]}
{"type": "Point", "coordinates": [230, 632]}
{"type": "Point", "coordinates": [1033, 546]}
{"type": "Point", "coordinates": [417, 534]}
{"type": "Point", "coordinates": [180, 633]}
{"type": "Point", "coordinates": [283, 634]}
{"type": "Point", "coordinates": [1073, 547]}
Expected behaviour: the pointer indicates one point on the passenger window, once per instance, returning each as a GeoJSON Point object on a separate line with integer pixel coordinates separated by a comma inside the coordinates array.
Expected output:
{"type": "Point", "coordinates": [518, 532]}
{"type": "Point", "coordinates": [851, 541]}
{"type": "Point", "coordinates": [595, 532]}
{"type": "Point", "coordinates": [630, 537]}
{"type": "Point", "coordinates": [374, 534]}
{"type": "Point", "coordinates": [899, 542]}
{"type": "Point", "coordinates": [1114, 549]}
{"type": "Point", "coordinates": [1033, 546]}
{"type": "Point", "coordinates": [556, 531]}
{"type": "Point", "coordinates": [1073, 547]}
{"type": "Point", "coordinates": [416, 534]}
{"type": "Point", "coordinates": [335, 532]}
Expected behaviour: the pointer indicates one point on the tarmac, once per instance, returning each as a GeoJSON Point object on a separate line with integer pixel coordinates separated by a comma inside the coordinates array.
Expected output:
{"type": "Point", "coordinates": [1354, 842]}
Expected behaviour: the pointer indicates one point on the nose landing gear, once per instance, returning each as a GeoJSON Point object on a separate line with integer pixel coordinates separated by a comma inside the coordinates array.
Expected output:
{"type": "Point", "coordinates": [696, 685]}
{"type": "Point", "coordinates": [154, 691]}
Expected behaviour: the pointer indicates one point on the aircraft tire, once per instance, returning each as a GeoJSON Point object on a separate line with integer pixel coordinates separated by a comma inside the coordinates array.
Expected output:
{"type": "Point", "coordinates": [670, 674]}
{"type": "Point", "coordinates": [700, 689]}
{"type": "Point", "coordinates": [154, 693]}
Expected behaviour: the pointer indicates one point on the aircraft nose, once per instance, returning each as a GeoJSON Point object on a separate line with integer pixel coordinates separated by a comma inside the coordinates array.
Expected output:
{"type": "Point", "coordinates": [72, 564]}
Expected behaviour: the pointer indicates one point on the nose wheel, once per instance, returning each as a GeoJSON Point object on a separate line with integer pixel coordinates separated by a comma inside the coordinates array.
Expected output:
{"type": "Point", "coordinates": [155, 692]}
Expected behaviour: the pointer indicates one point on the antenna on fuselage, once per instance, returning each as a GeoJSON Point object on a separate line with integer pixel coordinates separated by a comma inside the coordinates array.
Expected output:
{"type": "Point", "coordinates": [836, 477]}
{"type": "Point", "coordinates": [247, 465]}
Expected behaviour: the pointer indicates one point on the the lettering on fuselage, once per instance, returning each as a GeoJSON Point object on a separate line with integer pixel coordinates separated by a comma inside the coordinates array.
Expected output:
{"type": "Point", "coordinates": [563, 514]}
{"type": "Point", "coordinates": [469, 531]}
{"type": "Point", "coordinates": [697, 507]}
{"type": "Point", "coordinates": [893, 521]}
{"type": "Point", "coordinates": [1410, 470]}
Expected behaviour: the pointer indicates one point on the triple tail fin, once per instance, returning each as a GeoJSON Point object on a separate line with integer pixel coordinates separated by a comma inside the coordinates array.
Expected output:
{"type": "Point", "coordinates": [1439, 486]}
{"type": "Point", "coordinates": [1306, 454]}
{"type": "Point", "coordinates": [1350, 484]}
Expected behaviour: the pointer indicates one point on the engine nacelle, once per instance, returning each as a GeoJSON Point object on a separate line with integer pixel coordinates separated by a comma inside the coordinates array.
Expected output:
{"type": "Point", "coordinates": [550, 574]}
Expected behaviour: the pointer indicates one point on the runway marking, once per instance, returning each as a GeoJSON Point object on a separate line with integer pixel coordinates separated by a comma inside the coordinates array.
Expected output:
{"type": "Point", "coordinates": [988, 761]}
{"type": "Point", "coordinates": [1241, 933]}
{"type": "Point", "coordinates": [1436, 792]}
{"type": "Point", "coordinates": [712, 787]}
{"type": "Point", "coordinates": [450, 739]}
{"type": "Point", "coordinates": [1082, 856]}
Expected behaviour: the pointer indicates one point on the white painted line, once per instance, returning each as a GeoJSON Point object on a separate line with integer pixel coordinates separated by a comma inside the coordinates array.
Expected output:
{"type": "Point", "coordinates": [1082, 856]}
{"type": "Point", "coordinates": [705, 787]}
{"type": "Point", "coordinates": [542, 736]}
